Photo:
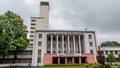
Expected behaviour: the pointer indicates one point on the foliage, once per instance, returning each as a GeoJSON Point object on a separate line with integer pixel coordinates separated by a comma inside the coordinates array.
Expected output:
{"type": "Point", "coordinates": [119, 66]}
{"type": "Point", "coordinates": [110, 43]}
{"type": "Point", "coordinates": [15, 31]}
{"type": "Point", "coordinates": [111, 58]}
{"type": "Point", "coordinates": [119, 57]}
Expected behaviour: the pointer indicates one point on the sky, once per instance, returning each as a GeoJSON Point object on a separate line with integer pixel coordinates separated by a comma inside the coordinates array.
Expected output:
{"type": "Point", "coordinates": [101, 16]}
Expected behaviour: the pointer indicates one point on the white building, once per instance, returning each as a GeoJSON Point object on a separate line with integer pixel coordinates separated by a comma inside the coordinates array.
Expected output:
{"type": "Point", "coordinates": [59, 46]}
{"type": "Point", "coordinates": [115, 50]}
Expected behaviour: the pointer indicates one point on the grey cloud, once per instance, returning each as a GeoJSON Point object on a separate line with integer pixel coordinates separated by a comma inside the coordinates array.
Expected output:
{"type": "Point", "coordinates": [99, 15]}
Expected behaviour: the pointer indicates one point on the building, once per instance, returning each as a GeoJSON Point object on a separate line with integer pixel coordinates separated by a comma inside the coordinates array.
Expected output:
{"type": "Point", "coordinates": [115, 50]}
{"type": "Point", "coordinates": [59, 46]}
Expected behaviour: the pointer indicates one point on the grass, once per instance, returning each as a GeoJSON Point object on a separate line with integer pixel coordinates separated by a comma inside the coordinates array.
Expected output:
{"type": "Point", "coordinates": [72, 67]}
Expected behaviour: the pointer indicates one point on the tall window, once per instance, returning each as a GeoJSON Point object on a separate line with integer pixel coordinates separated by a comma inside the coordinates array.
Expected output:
{"type": "Point", "coordinates": [90, 36]}
{"type": "Point", "coordinates": [40, 35]}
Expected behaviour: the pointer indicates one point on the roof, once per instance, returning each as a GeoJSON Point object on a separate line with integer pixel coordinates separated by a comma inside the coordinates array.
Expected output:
{"type": "Point", "coordinates": [85, 31]}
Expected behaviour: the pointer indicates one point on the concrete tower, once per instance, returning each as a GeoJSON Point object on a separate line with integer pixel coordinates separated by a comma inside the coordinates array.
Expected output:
{"type": "Point", "coordinates": [40, 23]}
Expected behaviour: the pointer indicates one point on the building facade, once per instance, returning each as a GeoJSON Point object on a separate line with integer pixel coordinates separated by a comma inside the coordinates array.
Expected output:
{"type": "Point", "coordinates": [59, 46]}
{"type": "Point", "coordinates": [115, 50]}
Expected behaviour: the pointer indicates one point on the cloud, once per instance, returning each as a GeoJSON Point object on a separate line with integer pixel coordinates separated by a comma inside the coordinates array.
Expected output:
{"type": "Point", "coordinates": [101, 16]}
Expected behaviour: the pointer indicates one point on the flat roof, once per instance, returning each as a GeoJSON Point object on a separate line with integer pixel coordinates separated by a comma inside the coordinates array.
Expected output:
{"type": "Point", "coordinates": [85, 31]}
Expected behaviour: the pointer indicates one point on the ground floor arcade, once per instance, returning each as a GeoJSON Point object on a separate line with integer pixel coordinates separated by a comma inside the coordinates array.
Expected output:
{"type": "Point", "coordinates": [69, 60]}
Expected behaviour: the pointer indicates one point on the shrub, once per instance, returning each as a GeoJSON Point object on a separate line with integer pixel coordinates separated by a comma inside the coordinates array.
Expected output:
{"type": "Point", "coordinates": [119, 66]}
{"type": "Point", "coordinates": [97, 65]}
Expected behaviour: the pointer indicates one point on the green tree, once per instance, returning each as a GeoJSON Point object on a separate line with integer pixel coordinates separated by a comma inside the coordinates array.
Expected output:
{"type": "Point", "coordinates": [119, 57]}
{"type": "Point", "coordinates": [110, 43]}
{"type": "Point", "coordinates": [111, 58]}
{"type": "Point", "coordinates": [4, 37]}
{"type": "Point", "coordinates": [17, 32]}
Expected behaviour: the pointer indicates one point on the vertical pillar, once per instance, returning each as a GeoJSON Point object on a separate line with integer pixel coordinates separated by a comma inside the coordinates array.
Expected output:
{"type": "Point", "coordinates": [68, 44]}
{"type": "Point", "coordinates": [63, 43]}
{"type": "Point", "coordinates": [57, 44]}
{"type": "Point", "coordinates": [79, 44]}
{"type": "Point", "coordinates": [51, 44]}
{"type": "Point", "coordinates": [79, 60]}
{"type": "Point", "coordinates": [74, 43]}
{"type": "Point", "coordinates": [65, 60]}
{"type": "Point", "coordinates": [72, 60]}
{"type": "Point", "coordinates": [58, 60]}
{"type": "Point", "coordinates": [86, 42]}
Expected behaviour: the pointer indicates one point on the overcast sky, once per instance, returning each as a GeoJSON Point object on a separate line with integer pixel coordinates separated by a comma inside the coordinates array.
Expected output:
{"type": "Point", "coordinates": [102, 16]}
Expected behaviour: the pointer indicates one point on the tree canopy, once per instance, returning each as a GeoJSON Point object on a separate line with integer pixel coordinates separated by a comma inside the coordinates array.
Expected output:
{"type": "Point", "coordinates": [13, 33]}
{"type": "Point", "coordinates": [111, 58]}
{"type": "Point", "coordinates": [110, 43]}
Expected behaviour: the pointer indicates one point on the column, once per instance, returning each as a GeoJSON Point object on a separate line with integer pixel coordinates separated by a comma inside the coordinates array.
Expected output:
{"type": "Point", "coordinates": [86, 42]}
{"type": "Point", "coordinates": [72, 60]}
{"type": "Point", "coordinates": [63, 43]}
{"type": "Point", "coordinates": [57, 44]}
{"type": "Point", "coordinates": [74, 43]}
{"type": "Point", "coordinates": [79, 60]}
{"type": "Point", "coordinates": [51, 44]}
{"type": "Point", "coordinates": [65, 60]}
{"type": "Point", "coordinates": [79, 44]}
{"type": "Point", "coordinates": [68, 44]}
{"type": "Point", "coordinates": [58, 60]}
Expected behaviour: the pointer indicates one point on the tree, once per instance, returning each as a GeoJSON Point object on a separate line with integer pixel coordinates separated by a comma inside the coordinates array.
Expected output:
{"type": "Point", "coordinates": [119, 57]}
{"type": "Point", "coordinates": [4, 37]}
{"type": "Point", "coordinates": [110, 43]}
{"type": "Point", "coordinates": [111, 58]}
{"type": "Point", "coordinates": [17, 32]}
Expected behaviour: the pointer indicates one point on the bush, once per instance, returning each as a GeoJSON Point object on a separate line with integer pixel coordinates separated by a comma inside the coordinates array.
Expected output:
{"type": "Point", "coordinates": [97, 65]}
{"type": "Point", "coordinates": [119, 66]}
{"type": "Point", "coordinates": [107, 65]}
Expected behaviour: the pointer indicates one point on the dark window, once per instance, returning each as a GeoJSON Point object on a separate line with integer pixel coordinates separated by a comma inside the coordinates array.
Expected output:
{"type": "Point", "coordinates": [116, 52]}
{"type": "Point", "coordinates": [89, 36]}
{"type": "Point", "coordinates": [40, 35]}
{"type": "Point", "coordinates": [54, 38]}
{"type": "Point", "coordinates": [39, 44]}
{"type": "Point", "coordinates": [31, 35]}
{"type": "Point", "coordinates": [48, 51]}
{"type": "Point", "coordinates": [91, 51]}
{"type": "Point", "coordinates": [32, 27]}
{"type": "Point", "coordinates": [31, 39]}
{"type": "Point", "coordinates": [106, 52]}
{"type": "Point", "coordinates": [90, 43]}
{"type": "Point", "coordinates": [31, 31]}
{"type": "Point", "coordinates": [48, 39]}
{"type": "Point", "coordinates": [111, 52]}
{"type": "Point", "coordinates": [59, 52]}
{"type": "Point", "coordinates": [32, 23]}
{"type": "Point", "coordinates": [33, 20]}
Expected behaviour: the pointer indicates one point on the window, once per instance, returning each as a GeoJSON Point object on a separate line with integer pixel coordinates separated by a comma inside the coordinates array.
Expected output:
{"type": "Point", "coordinates": [32, 27]}
{"type": "Point", "coordinates": [48, 39]}
{"type": "Point", "coordinates": [31, 31]}
{"type": "Point", "coordinates": [33, 20]}
{"type": "Point", "coordinates": [31, 39]}
{"type": "Point", "coordinates": [106, 52]}
{"type": "Point", "coordinates": [40, 35]}
{"type": "Point", "coordinates": [90, 43]}
{"type": "Point", "coordinates": [89, 36]}
{"type": "Point", "coordinates": [111, 52]}
{"type": "Point", "coordinates": [91, 51]}
{"type": "Point", "coordinates": [31, 35]}
{"type": "Point", "coordinates": [39, 44]}
{"type": "Point", "coordinates": [32, 23]}
{"type": "Point", "coordinates": [59, 52]}
{"type": "Point", "coordinates": [116, 52]}
{"type": "Point", "coordinates": [48, 51]}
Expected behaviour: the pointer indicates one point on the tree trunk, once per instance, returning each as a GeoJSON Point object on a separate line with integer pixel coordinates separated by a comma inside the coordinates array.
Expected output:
{"type": "Point", "coordinates": [3, 58]}
{"type": "Point", "coordinates": [15, 56]}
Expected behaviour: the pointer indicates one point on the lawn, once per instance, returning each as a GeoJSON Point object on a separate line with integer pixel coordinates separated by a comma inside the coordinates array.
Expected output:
{"type": "Point", "coordinates": [72, 67]}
